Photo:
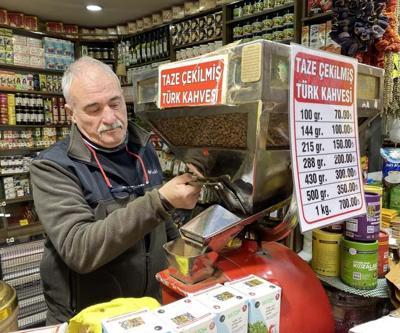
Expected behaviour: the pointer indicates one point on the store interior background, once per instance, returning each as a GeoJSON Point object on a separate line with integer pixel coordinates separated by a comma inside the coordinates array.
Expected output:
{"type": "Point", "coordinates": [133, 37]}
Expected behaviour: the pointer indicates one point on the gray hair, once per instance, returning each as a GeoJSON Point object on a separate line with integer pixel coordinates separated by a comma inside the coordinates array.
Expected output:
{"type": "Point", "coordinates": [76, 69]}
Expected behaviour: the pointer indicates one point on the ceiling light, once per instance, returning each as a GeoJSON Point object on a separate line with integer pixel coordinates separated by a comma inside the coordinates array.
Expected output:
{"type": "Point", "coordinates": [94, 8]}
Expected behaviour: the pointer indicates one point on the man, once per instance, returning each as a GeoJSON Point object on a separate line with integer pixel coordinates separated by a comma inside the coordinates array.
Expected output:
{"type": "Point", "coordinates": [99, 197]}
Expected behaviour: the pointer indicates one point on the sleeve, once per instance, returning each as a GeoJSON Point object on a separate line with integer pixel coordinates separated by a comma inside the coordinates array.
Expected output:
{"type": "Point", "coordinates": [82, 242]}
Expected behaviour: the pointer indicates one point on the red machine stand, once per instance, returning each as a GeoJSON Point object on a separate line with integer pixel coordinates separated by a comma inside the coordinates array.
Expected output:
{"type": "Point", "coordinates": [305, 306]}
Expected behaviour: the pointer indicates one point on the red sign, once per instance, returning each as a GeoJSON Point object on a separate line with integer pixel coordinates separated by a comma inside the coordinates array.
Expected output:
{"type": "Point", "coordinates": [323, 80]}
{"type": "Point", "coordinates": [192, 83]}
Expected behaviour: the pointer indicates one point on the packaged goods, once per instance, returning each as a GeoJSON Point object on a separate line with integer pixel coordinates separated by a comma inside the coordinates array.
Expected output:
{"type": "Point", "coordinates": [187, 315]}
{"type": "Point", "coordinates": [136, 322]}
{"type": "Point", "coordinates": [89, 319]}
{"type": "Point", "coordinates": [264, 301]}
{"type": "Point", "coordinates": [229, 306]}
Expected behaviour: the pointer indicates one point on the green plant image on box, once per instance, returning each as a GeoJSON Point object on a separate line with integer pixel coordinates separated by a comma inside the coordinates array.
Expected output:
{"type": "Point", "coordinates": [257, 327]}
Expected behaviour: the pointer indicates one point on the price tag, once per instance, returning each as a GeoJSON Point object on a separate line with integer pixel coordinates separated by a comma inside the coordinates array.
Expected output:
{"type": "Point", "coordinates": [324, 138]}
{"type": "Point", "coordinates": [23, 222]}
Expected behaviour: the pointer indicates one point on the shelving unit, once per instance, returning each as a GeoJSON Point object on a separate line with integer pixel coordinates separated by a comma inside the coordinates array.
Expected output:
{"type": "Point", "coordinates": [262, 13]}
{"type": "Point", "coordinates": [315, 30]}
{"type": "Point", "coordinates": [36, 92]}
{"type": "Point", "coordinates": [30, 69]}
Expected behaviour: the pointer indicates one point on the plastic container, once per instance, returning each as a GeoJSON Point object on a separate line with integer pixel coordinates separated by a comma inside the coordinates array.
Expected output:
{"type": "Point", "coordinates": [359, 264]}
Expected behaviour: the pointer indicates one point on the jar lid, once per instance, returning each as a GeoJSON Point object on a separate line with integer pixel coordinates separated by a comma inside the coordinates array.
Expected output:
{"type": "Point", "coordinates": [393, 177]}
{"type": "Point", "coordinates": [8, 300]}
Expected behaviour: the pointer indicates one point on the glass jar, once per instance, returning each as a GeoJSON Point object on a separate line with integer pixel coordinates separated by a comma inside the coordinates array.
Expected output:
{"type": "Point", "coordinates": [257, 26]}
{"type": "Point", "coordinates": [237, 31]}
{"type": "Point", "coordinates": [268, 4]}
{"type": "Point", "coordinates": [237, 11]}
{"type": "Point", "coordinates": [278, 21]}
{"type": "Point", "coordinates": [288, 18]}
{"type": "Point", "coordinates": [268, 23]}
{"type": "Point", "coordinates": [258, 6]}
{"type": "Point", "coordinates": [288, 33]}
{"type": "Point", "coordinates": [248, 8]}
{"type": "Point", "coordinates": [247, 28]}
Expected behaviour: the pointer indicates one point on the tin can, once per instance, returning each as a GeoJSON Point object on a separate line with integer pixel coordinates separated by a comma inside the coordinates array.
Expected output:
{"type": "Point", "coordinates": [359, 264]}
{"type": "Point", "coordinates": [326, 253]}
{"type": "Point", "coordinates": [366, 227]}
{"type": "Point", "coordinates": [383, 254]}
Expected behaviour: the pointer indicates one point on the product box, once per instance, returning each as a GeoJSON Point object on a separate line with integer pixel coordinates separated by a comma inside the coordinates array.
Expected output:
{"type": "Point", "coordinates": [140, 25]}
{"type": "Point", "coordinates": [71, 28]}
{"type": "Point", "coordinates": [21, 59]}
{"type": "Point", "coordinates": [177, 12]}
{"type": "Point", "coordinates": [112, 31]}
{"type": "Point", "coordinates": [187, 316]}
{"type": "Point", "coordinates": [54, 27]}
{"type": "Point", "coordinates": [264, 301]}
{"type": "Point", "coordinates": [43, 82]}
{"type": "Point", "coordinates": [34, 42]}
{"type": "Point", "coordinates": [36, 51]}
{"type": "Point", "coordinates": [156, 19]}
{"type": "Point", "coordinates": [35, 61]}
{"type": "Point", "coordinates": [314, 36]}
{"type": "Point", "coordinates": [21, 49]}
{"type": "Point", "coordinates": [305, 35]}
{"type": "Point", "coordinates": [3, 17]}
{"type": "Point", "coordinates": [136, 322]}
{"type": "Point", "coordinates": [229, 306]}
{"type": "Point", "coordinates": [166, 15]}
{"type": "Point", "coordinates": [31, 22]}
{"type": "Point", "coordinates": [19, 40]}
{"type": "Point", "coordinates": [330, 44]}
{"type": "Point", "coordinates": [189, 8]}
{"type": "Point", "coordinates": [132, 27]}
{"type": "Point", "coordinates": [206, 4]}
{"type": "Point", "coordinates": [147, 22]}
{"type": "Point", "coordinates": [321, 36]}
{"type": "Point", "coordinates": [15, 20]}
{"type": "Point", "coordinates": [315, 7]}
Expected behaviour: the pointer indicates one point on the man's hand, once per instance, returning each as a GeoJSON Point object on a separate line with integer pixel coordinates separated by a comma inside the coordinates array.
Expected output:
{"type": "Point", "coordinates": [179, 193]}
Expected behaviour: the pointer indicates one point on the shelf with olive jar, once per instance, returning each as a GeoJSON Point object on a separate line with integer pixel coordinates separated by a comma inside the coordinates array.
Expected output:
{"type": "Point", "coordinates": [263, 19]}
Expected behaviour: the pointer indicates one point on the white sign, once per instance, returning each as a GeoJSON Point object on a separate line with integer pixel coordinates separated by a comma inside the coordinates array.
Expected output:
{"type": "Point", "coordinates": [324, 138]}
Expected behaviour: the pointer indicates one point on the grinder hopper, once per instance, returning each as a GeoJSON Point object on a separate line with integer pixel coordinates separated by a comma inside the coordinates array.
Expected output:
{"type": "Point", "coordinates": [242, 144]}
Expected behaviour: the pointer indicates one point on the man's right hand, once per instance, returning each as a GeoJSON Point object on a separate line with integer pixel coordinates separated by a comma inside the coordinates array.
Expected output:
{"type": "Point", "coordinates": [179, 193]}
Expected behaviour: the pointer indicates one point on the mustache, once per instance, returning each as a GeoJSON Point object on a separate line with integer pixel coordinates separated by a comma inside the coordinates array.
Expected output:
{"type": "Point", "coordinates": [104, 128]}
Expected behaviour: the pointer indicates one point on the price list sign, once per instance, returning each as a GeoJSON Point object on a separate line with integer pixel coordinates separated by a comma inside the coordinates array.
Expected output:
{"type": "Point", "coordinates": [324, 138]}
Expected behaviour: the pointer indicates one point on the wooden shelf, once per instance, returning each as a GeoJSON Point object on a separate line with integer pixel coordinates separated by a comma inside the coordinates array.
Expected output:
{"type": "Point", "coordinates": [197, 43]}
{"type": "Point", "coordinates": [199, 14]}
{"type": "Point", "coordinates": [19, 151]}
{"type": "Point", "coordinates": [319, 18]}
{"type": "Point", "coordinates": [166, 24]}
{"type": "Point", "coordinates": [21, 231]}
{"type": "Point", "coordinates": [36, 34]}
{"type": "Point", "coordinates": [264, 12]}
{"type": "Point", "coordinates": [30, 69]}
{"type": "Point", "coordinates": [97, 41]}
{"type": "Point", "coordinates": [11, 127]}
{"type": "Point", "coordinates": [36, 92]}
{"type": "Point", "coordinates": [148, 63]}
{"type": "Point", "coordinates": [14, 174]}
{"type": "Point", "coordinates": [4, 202]}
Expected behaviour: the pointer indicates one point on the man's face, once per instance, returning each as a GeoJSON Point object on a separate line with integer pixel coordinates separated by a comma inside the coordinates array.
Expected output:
{"type": "Point", "coordinates": [98, 108]}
